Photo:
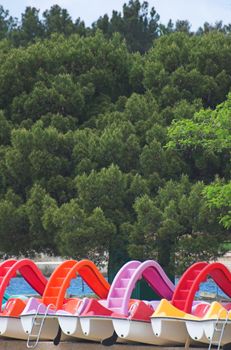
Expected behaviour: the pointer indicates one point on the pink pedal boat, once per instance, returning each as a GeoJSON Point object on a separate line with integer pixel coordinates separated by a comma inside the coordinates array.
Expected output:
{"type": "Point", "coordinates": [98, 320]}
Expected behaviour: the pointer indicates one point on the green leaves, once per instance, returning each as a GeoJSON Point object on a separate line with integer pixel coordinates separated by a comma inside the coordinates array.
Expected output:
{"type": "Point", "coordinates": [37, 204]}
{"type": "Point", "coordinates": [208, 130]}
{"type": "Point", "coordinates": [13, 225]}
{"type": "Point", "coordinates": [136, 24]}
{"type": "Point", "coordinates": [107, 152]}
{"type": "Point", "coordinates": [5, 130]}
{"type": "Point", "coordinates": [218, 195]}
{"type": "Point", "coordinates": [204, 140]}
{"type": "Point", "coordinates": [181, 66]}
{"type": "Point", "coordinates": [104, 189]}
{"type": "Point", "coordinates": [80, 234]}
{"type": "Point", "coordinates": [60, 96]}
{"type": "Point", "coordinates": [167, 224]}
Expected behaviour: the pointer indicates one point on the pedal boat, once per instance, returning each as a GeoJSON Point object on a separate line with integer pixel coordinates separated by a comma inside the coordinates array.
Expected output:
{"type": "Point", "coordinates": [68, 318]}
{"type": "Point", "coordinates": [39, 320]}
{"type": "Point", "coordinates": [10, 324]}
{"type": "Point", "coordinates": [136, 327]}
{"type": "Point", "coordinates": [93, 323]}
{"type": "Point", "coordinates": [214, 327]}
{"type": "Point", "coordinates": [168, 322]}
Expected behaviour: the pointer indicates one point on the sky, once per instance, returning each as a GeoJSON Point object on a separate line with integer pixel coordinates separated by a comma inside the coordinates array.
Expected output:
{"type": "Point", "coordinates": [196, 11]}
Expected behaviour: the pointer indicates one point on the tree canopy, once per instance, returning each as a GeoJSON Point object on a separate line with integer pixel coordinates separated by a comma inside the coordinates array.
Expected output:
{"type": "Point", "coordinates": [115, 139]}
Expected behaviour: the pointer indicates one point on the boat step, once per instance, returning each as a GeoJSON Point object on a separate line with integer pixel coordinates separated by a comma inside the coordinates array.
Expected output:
{"type": "Point", "coordinates": [119, 292]}
{"type": "Point", "coordinates": [179, 304]}
{"type": "Point", "coordinates": [189, 283]}
{"type": "Point", "coordinates": [33, 338]}
{"type": "Point", "coordinates": [58, 282]}
{"type": "Point", "coordinates": [124, 282]}
{"type": "Point", "coordinates": [196, 272]}
{"type": "Point", "coordinates": [64, 272]}
{"type": "Point", "coordinates": [183, 293]}
{"type": "Point", "coordinates": [130, 272]}
{"type": "Point", "coordinates": [115, 302]}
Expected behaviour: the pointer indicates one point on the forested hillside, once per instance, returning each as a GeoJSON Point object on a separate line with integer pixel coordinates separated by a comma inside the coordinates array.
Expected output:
{"type": "Point", "coordinates": [115, 138]}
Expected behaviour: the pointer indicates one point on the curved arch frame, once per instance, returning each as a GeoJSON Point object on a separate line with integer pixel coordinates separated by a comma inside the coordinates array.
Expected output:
{"type": "Point", "coordinates": [89, 273]}
{"type": "Point", "coordinates": [129, 265]}
{"type": "Point", "coordinates": [29, 271]}
{"type": "Point", "coordinates": [187, 275]}
{"type": "Point", "coordinates": [67, 264]}
{"type": "Point", "coordinates": [221, 276]}
{"type": "Point", "coordinates": [139, 273]}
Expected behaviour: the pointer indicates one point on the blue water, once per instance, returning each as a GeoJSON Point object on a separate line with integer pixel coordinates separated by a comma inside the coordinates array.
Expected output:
{"type": "Point", "coordinates": [77, 287]}
{"type": "Point", "coordinates": [210, 287]}
{"type": "Point", "coordinates": [19, 286]}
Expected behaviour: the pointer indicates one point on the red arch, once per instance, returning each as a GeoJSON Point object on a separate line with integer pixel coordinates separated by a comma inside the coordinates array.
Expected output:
{"type": "Point", "coordinates": [194, 276]}
{"type": "Point", "coordinates": [185, 283]}
{"type": "Point", "coordinates": [29, 271]}
{"type": "Point", "coordinates": [5, 265]}
{"type": "Point", "coordinates": [60, 281]}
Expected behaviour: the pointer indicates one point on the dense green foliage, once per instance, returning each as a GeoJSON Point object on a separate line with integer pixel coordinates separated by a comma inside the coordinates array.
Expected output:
{"type": "Point", "coordinates": [114, 139]}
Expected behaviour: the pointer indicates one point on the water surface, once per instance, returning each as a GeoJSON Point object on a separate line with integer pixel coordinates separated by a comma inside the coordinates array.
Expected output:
{"type": "Point", "coordinates": [78, 287]}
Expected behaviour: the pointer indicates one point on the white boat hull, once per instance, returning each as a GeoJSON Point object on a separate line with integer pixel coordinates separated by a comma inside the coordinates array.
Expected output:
{"type": "Point", "coordinates": [71, 326]}
{"type": "Point", "coordinates": [49, 329]}
{"type": "Point", "coordinates": [196, 332]}
{"type": "Point", "coordinates": [96, 329]}
{"type": "Point", "coordinates": [209, 327]}
{"type": "Point", "coordinates": [173, 330]}
{"type": "Point", "coordinates": [11, 327]}
{"type": "Point", "coordinates": [138, 331]}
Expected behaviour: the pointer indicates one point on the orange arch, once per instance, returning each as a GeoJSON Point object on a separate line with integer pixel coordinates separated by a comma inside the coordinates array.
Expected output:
{"type": "Point", "coordinates": [55, 293]}
{"type": "Point", "coordinates": [28, 270]}
{"type": "Point", "coordinates": [55, 282]}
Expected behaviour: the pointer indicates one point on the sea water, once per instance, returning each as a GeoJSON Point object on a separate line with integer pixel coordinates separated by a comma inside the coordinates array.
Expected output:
{"type": "Point", "coordinates": [79, 288]}
{"type": "Point", "coordinates": [19, 286]}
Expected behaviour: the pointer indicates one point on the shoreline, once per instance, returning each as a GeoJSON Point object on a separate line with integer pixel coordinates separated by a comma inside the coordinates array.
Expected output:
{"type": "Point", "coordinates": [6, 344]}
{"type": "Point", "coordinates": [47, 267]}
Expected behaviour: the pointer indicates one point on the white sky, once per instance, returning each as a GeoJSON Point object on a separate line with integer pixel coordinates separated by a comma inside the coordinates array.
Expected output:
{"type": "Point", "coordinates": [196, 11]}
